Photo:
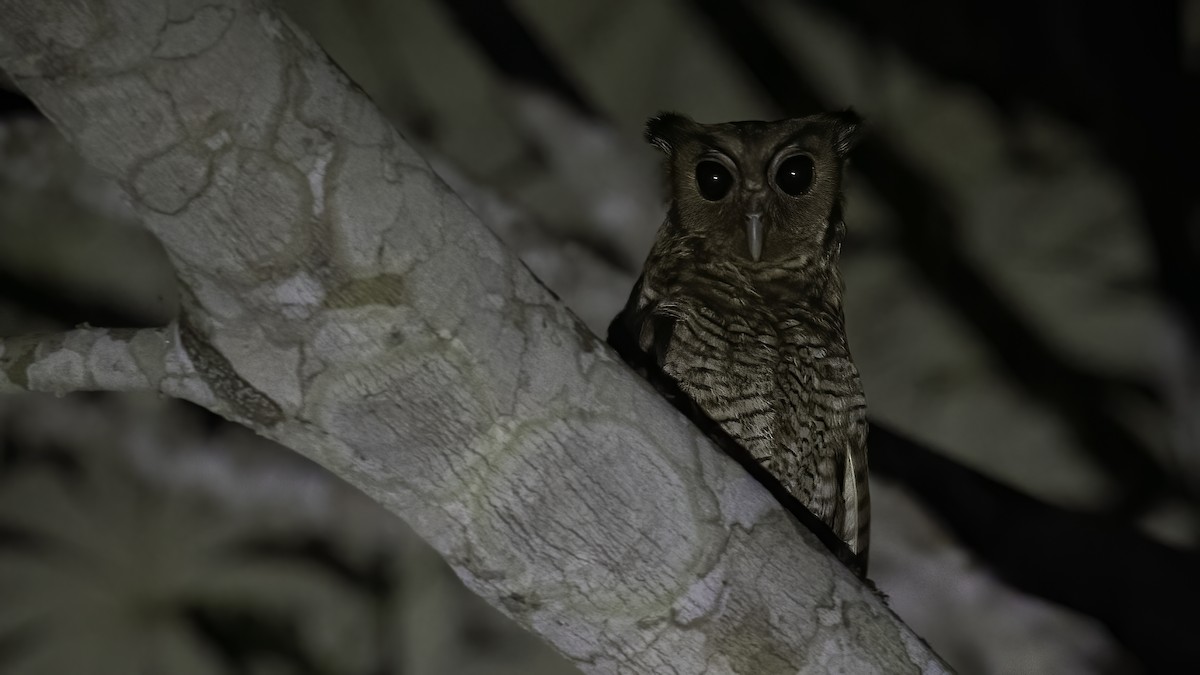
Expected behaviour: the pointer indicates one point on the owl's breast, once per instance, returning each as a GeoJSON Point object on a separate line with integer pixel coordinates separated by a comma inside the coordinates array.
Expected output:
{"type": "Point", "coordinates": [727, 365]}
{"type": "Point", "coordinates": [779, 386]}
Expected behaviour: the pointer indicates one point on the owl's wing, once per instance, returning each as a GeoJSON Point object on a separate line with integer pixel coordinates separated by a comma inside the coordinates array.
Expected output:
{"type": "Point", "coordinates": [641, 332]}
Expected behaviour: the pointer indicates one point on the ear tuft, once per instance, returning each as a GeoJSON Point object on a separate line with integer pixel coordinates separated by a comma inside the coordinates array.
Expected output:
{"type": "Point", "coordinates": [847, 127]}
{"type": "Point", "coordinates": [664, 129]}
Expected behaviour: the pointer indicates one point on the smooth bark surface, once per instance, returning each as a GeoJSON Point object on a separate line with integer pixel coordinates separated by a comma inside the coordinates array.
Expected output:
{"type": "Point", "coordinates": [340, 299]}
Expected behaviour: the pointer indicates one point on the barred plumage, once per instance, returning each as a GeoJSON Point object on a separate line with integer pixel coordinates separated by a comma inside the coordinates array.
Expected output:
{"type": "Point", "coordinates": [739, 303]}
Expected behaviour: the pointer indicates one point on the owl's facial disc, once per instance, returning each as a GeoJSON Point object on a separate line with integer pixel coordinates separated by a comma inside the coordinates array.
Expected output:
{"type": "Point", "coordinates": [754, 235]}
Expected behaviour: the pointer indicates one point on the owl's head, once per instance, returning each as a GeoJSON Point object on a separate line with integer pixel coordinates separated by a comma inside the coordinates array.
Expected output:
{"type": "Point", "coordinates": [758, 191]}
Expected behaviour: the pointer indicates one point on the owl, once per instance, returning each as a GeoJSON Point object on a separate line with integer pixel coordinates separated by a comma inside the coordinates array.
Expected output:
{"type": "Point", "coordinates": [738, 312]}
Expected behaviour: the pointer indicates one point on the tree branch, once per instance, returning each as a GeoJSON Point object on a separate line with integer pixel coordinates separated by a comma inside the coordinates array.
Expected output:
{"type": "Point", "coordinates": [91, 359]}
{"type": "Point", "coordinates": [341, 300]}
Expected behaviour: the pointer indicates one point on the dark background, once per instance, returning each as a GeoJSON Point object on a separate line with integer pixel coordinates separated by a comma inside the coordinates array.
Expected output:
{"type": "Point", "coordinates": [1023, 298]}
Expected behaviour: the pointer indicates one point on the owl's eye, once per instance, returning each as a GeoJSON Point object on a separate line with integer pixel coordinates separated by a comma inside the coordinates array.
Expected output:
{"type": "Point", "coordinates": [795, 175]}
{"type": "Point", "coordinates": [713, 179]}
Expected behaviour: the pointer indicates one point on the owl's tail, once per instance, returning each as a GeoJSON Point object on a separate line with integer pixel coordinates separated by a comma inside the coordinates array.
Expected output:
{"type": "Point", "coordinates": [856, 507]}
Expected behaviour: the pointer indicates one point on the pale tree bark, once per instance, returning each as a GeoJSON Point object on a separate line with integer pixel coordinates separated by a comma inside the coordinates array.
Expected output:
{"type": "Point", "coordinates": [340, 299]}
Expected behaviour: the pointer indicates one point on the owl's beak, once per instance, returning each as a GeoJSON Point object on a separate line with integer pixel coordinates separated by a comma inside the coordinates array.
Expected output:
{"type": "Point", "coordinates": [754, 235]}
